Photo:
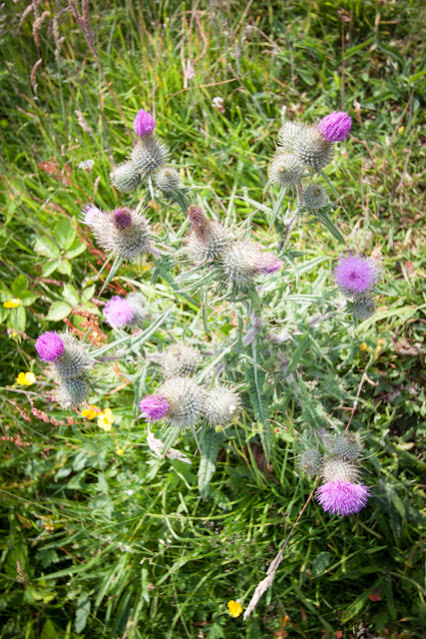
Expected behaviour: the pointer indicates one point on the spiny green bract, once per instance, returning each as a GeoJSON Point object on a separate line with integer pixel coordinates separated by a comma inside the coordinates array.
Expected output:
{"type": "Point", "coordinates": [125, 177]}
{"type": "Point", "coordinates": [347, 447]}
{"type": "Point", "coordinates": [75, 359]}
{"type": "Point", "coordinates": [339, 470]}
{"type": "Point", "coordinates": [148, 154]}
{"type": "Point", "coordinates": [363, 308]}
{"type": "Point", "coordinates": [186, 401]}
{"type": "Point", "coordinates": [285, 169]}
{"type": "Point", "coordinates": [315, 196]}
{"type": "Point", "coordinates": [180, 360]}
{"type": "Point", "coordinates": [307, 144]}
{"type": "Point", "coordinates": [310, 462]}
{"type": "Point", "coordinates": [72, 392]}
{"type": "Point", "coordinates": [167, 179]}
{"type": "Point", "coordinates": [221, 405]}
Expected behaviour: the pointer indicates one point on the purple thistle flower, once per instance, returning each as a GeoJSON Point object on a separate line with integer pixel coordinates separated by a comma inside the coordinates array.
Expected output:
{"type": "Point", "coordinates": [342, 497]}
{"type": "Point", "coordinates": [143, 124]}
{"type": "Point", "coordinates": [122, 218]}
{"type": "Point", "coordinates": [118, 312]}
{"type": "Point", "coordinates": [49, 346]}
{"type": "Point", "coordinates": [154, 407]}
{"type": "Point", "coordinates": [356, 274]}
{"type": "Point", "coordinates": [268, 263]}
{"type": "Point", "coordinates": [335, 127]}
{"type": "Point", "coordinates": [89, 214]}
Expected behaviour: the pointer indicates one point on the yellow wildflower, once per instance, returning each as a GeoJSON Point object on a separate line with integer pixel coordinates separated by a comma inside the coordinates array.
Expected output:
{"type": "Point", "coordinates": [378, 349]}
{"type": "Point", "coordinates": [106, 419]}
{"type": "Point", "coordinates": [13, 303]}
{"type": "Point", "coordinates": [235, 608]}
{"type": "Point", "coordinates": [364, 347]}
{"type": "Point", "coordinates": [119, 451]}
{"type": "Point", "coordinates": [90, 412]}
{"type": "Point", "coordinates": [26, 379]}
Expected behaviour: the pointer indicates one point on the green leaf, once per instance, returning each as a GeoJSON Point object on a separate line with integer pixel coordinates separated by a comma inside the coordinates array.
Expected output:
{"type": "Point", "coordinates": [50, 268]}
{"type": "Point", "coordinates": [65, 233]}
{"type": "Point", "coordinates": [356, 606]}
{"type": "Point", "coordinates": [49, 631]}
{"type": "Point", "coordinates": [19, 285]}
{"type": "Point", "coordinates": [27, 298]}
{"type": "Point", "coordinates": [75, 249]}
{"type": "Point", "coordinates": [209, 448]}
{"type": "Point", "coordinates": [17, 319]}
{"type": "Point", "coordinates": [330, 225]}
{"type": "Point", "coordinates": [47, 247]}
{"type": "Point", "coordinates": [298, 353]}
{"type": "Point", "coordinates": [320, 563]}
{"type": "Point", "coordinates": [58, 311]}
{"type": "Point", "coordinates": [82, 612]}
{"type": "Point", "coordinates": [65, 267]}
{"type": "Point", "coordinates": [88, 293]}
{"type": "Point", "coordinates": [70, 294]}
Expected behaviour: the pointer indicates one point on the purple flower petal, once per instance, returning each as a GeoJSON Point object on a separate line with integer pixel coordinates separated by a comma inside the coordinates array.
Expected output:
{"type": "Point", "coordinates": [118, 312]}
{"type": "Point", "coordinates": [49, 346]}
{"type": "Point", "coordinates": [268, 263]}
{"type": "Point", "coordinates": [154, 407]}
{"type": "Point", "coordinates": [335, 127]}
{"type": "Point", "coordinates": [143, 124]}
{"type": "Point", "coordinates": [342, 497]}
{"type": "Point", "coordinates": [356, 274]}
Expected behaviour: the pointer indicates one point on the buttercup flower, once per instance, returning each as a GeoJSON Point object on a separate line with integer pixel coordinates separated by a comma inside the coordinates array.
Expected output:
{"type": "Point", "coordinates": [235, 608]}
{"type": "Point", "coordinates": [342, 497]}
{"type": "Point", "coordinates": [143, 124]}
{"type": "Point", "coordinates": [106, 419]}
{"type": "Point", "coordinates": [356, 275]}
{"type": "Point", "coordinates": [90, 412]}
{"type": "Point", "coordinates": [335, 127]}
{"type": "Point", "coordinates": [49, 346]}
{"type": "Point", "coordinates": [26, 379]}
{"type": "Point", "coordinates": [13, 303]}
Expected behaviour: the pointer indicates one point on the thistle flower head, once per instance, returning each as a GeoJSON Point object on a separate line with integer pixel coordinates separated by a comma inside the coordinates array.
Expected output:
{"type": "Point", "coordinates": [167, 179]}
{"type": "Point", "coordinates": [335, 127]}
{"type": "Point", "coordinates": [315, 196]}
{"type": "Point", "coordinates": [285, 169]}
{"type": "Point", "coordinates": [72, 392]}
{"type": "Point", "coordinates": [310, 462]}
{"type": "Point", "coordinates": [90, 214]}
{"type": "Point", "coordinates": [221, 405]}
{"type": "Point", "coordinates": [148, 155]}
{"type": "Point", "coordinates": [342, 497]}
{"type": "Point", "coordinates": [356, 275]}
{"type": "Point", "coordinates": [125, 177]}
{"type": "Point", "coordinates": [49, 346]}
{"type": "Point", "coordinates": [339, 470]}
{"type": "Point", "coordinates": [363, 308]}
{"type": "Point", "coordinates": [136, 302]}
{"type": "Point", "coordinates": [306, 143]}
{"type": "Point", "coordinates": [196, 217]}
{"type": "Point", "coordinates": [207, 240]}
{"type": "Point", "coordinates": [75, 359]}
{"type": "Point", "coordinates": [118, 312]}
{"type": "Point", "coordinates": [154, 407]}
{"type": "Point", "coordinates": [122, 218]}
{"type": "Point", "coordinates": [347, 447]}
{"type": "Point", "coordinates": [179, 360]}
{"type": "Point", "coordinates": [243, 260]}
{"type": "Point", "coordinates": [185, 399]}
{"type": "Point", "coordinates": [143, 124]}
{"type": "Point", "coordinates": [268, 263]}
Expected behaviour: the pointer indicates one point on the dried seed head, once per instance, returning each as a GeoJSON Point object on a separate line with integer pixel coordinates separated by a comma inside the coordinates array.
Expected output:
{"type": "Point", "coordinates": [315, 197]}
{"type": "Point", "coordinates": [221, 406]}
{"type": "Point", "coordinates": [185, 399]}
{"type": "Point", "coordinates": [307, 144]}
{"type": "Point", "coordinates": [148, 154]}
{"type": "Point", "coordinates": [310, 462]}
{"type": "Point", "coordinates": [180, 360]}
{"type": "Point", "coordinates": [72, 392]}
{"type": "Point", "coordinates": [347, 447]}
{"type": "Point", "coordinates": [167, 179]}
{"type": "Point", "coordinates": [74, 361]}
{"type": "Point", "coordinates": [125, 177]}
{"type": "Point", "coordinates": [285, 169]}
{"type": "Point", "coordinates": [339, 470]}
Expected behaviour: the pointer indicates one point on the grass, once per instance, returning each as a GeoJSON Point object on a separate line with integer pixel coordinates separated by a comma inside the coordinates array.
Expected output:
{"type": "Point", "coordinates": [101, 544]}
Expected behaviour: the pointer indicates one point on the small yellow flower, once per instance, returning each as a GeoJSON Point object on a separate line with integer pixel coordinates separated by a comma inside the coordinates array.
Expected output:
{"type": "Point", "coordinates": [235, 608]}
{"type": "Point", "coordinates": [378, 349]}
{"type": "Point", "coordinates": [26, 379]}
{"type": "Point", "coordinates": [90, 412]}
{"type": "Point", "coordinates": [13, 303]}
{"type": "Point", "coordinates": [364, 347]}
{"type": "Point", "coordinates": [106, 419]}
{"type": "Point", "coordinates": [119, 451]}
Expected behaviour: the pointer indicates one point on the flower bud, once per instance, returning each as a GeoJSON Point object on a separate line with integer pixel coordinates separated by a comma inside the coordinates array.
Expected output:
{"type": "Point", "coordinates": [125, 177]}
{"type": "Point", "coordinates": [180, 360]}
{"type": "Point", "coordinates": [72, 392]}
{"type": "Point", "coordinates": [75, 359]}
{"type": "Point", "coordinates": [221, 406]}
{"type": "Point", "coordinates": [143, 124]}
{"type": "Point", "coordinates": [307, 144]}
{"type": "Point", "coordinates": [148, 155]}
{"type": "Point", "coordinates": [310, 462]}
{"type": "Point", "coordinates": [207, 240]}
{"type": "Point", "coordinates": [244, 260]}
{"type": "Point", "coordinates": [339, 470]}
{"type": "Point", "coordinates": [315, 197]}
{"type": "Point", "coordinates": [167, 179]}
{"type": "Point", "coordinates": [285, 170]}
{"type": "Point", "coordinates": [347, 447]}
{"type": "Point", "coordinates": [363, 308]}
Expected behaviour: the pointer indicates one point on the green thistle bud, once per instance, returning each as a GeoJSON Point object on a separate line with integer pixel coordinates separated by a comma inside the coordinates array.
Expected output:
{"type": "Point", "coordinates": [315, 197]}
{"type": "Point", "coordinates": [307, 144]}
{"type": "Point", "coordinates": [310, 462]}
{"type": "Point", "coordinates": [339, 470]}
{"type": "Point", "coordinates": [243, 261]}
{"type": "Point", "coordinates": [180, 360]}
{"type": "Point", "coordinates": [185, 399]}
{"type": "Point", "coordinates": [72, 392]}
{"type": "Point", "coordinates": [207, 240]}
{"type": "Point", "coordinates": [285, 169]}
{"type": "Point", "coordinates": [347, 447]}
{"type": "Point", "coordinates": [363, 308]}
{"type": "Point", "coordinates": [148, 154]}
{"type": "Point", "coordinates": [222, 405]}
{"type": "Point", "coordinates": [74, 361]}
{"type": "Point", "coordinates": [137, 304]}
{"type": "Point", "coordinates": [167, 179]}
{"type": "Point", "coordinates": [125, 177]}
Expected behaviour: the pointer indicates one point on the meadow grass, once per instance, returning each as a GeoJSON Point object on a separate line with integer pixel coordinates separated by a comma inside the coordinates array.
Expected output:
{"type": "Point", "coordinates": [100, 538]}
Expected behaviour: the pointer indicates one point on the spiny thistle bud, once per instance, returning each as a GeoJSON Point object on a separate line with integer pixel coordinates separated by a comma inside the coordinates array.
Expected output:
{"type": "Point", "coordinates": [185, 399]}
{"type": "Point", "coordinates": [154, 407]}
{"type": "Point", "coordinates": [49, 346]}
{"type": "Point", "coordinates": [118, 312]}
{"type": "Point", "coordinates": [137, 304]}
{"type": "Point", "coordinates": [335, 127]}
{"type": "Point", "coordinates": [244, 260]}
{"type": "Point", "coordinates": [310, 462]}
{"type": "Point", "coordinates": [75, 359]}
{"type": "Point", "coordinates": [285, 169]}
{"type": "Point", "coordinates": [123, 232]}
{"type": "Point", "coordinates": [72, 392]}
{"type": "Point", "coordinates": [125, 177]}
{"type": "Point", "coordinates": [148, 154]}
{"type": "Point", "coordinates": [179, 360]}
{"type": "Point", "coordinates": [167, 179]}
{"type": "Point", "coordinates": [339, 470]}
{"type": "Point", "coordinates": [221, 406]}
{"type": "Point", "coordinates": [363, 308]}
{"type": "Point", "coordinates": [342, 497]}
{"type": "Point", "coordinates": [356, 275]}
{"type": "Point", "coordinates": [207, 240]}
{"type": "Point", "coordinates": [347, 447]}
{"type": "Point", "coordinates": [315, 197]}
{"type": "Point", "coordinates": [143, 124]}
{"type": "Point", "coordinates": [307, 144]}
